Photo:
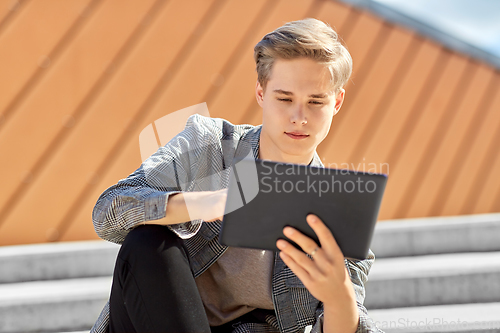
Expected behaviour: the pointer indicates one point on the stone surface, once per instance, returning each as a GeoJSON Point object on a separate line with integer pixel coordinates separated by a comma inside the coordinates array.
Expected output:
{"type": "Point", "coordinates": [434, 235]}
{"type": "Point", "coordinates": [434, 279]}
{"type": "Point", "coordinates": [51, 306]}
{"type": "Point", "coordinates": [482, 317]}
{"type": "Point", "coordinates": [426, 269]}
{"type": "Point", "coordinates": [57, 261]}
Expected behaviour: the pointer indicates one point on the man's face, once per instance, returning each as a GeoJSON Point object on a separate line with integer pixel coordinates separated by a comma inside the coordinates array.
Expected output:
{"type": "Point", "coordinates": [298, 106]}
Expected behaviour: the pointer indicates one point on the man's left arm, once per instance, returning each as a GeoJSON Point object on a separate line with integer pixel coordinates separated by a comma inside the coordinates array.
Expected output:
{"type": "Point", "coordinates": [336, 282]}
{"type": "Point", "coordinates": [358, 272]}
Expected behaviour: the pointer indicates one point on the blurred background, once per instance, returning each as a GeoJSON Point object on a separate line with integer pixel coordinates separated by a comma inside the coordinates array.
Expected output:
{"type": "Point", "coordinates": [80, 79]}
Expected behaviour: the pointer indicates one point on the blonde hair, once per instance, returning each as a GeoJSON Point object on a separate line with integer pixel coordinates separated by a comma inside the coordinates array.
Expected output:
{"type": "Point", "coordinates": [309, 38]}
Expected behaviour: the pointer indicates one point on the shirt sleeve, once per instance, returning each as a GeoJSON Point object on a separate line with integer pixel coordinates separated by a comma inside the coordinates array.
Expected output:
{"type": "Point", "coordinates": [358, 271]}
{"type": "Point", "coordinates": [102, 323]}
{"type": "Point", "coordinates": [143, 195]}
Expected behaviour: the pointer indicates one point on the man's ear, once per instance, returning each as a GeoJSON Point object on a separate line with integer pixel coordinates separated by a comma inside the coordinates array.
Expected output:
{"type": "Point", "coordinates": [339, 100]}
{"type": "Point", "coordinates": [259, 93]}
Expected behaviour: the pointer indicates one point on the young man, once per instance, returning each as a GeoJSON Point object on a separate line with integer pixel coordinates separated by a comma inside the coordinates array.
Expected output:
{"type": "Point", "coordinates": [172, 275]}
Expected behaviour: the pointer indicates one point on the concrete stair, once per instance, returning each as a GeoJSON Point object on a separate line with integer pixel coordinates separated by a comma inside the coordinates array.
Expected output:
{"type": "Point", "coordinates": [52, 305]}
{"type": "Point", "coordinates": [430, 275]}
{"type": "Point", "coordinates": [54, 287]}
{"type": "Point", "coordinates": [436, 275]}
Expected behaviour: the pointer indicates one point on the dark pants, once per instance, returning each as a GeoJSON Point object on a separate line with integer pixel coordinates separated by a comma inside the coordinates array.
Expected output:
{"type": "Point", "coordinates": [154, 289]}
{"type": "Point", "coordinates": [153, 286]}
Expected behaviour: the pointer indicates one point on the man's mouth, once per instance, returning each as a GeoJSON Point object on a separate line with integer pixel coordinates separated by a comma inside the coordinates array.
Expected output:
{"type": "Point", "coordinates": [296, 135]}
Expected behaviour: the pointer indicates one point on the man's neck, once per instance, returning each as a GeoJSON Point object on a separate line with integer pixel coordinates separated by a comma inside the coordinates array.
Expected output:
{"type": "Point", "coordinates": [278, 156]}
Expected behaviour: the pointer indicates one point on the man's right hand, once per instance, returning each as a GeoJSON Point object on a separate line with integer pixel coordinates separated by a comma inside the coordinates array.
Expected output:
{"type": "Point", "coordinates": [187, 206]}
{"type": "Point", "coordinates": [208, 206]}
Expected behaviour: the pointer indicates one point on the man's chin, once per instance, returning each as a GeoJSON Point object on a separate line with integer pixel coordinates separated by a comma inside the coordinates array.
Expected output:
{"type": "Point", "coordinates": [296, 152]}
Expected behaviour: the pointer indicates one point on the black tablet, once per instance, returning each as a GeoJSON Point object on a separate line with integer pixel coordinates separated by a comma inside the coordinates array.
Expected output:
{"type": "Point", "coordinates": [265, 196]}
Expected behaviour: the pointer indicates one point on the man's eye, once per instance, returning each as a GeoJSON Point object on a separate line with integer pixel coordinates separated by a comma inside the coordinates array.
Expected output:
{"type": "Point", "coordinates": [317, 102]}
{"type": "Point", "coordinates": [284, 99]}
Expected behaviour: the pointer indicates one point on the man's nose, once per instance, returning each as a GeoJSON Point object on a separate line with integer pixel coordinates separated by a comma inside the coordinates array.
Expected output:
{"type": "Point", "coordinates": [298, 115]}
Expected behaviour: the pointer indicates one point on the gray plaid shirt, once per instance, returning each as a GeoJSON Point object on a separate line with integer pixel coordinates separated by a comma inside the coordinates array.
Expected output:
{"type": "Point", "coordinates": [199, 159]}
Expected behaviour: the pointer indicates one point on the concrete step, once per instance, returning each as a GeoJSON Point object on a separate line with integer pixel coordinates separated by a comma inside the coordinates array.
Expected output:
{"type": "Point", "coordinates": [435, 235]}
{"type": "Point", "coordinates": [51, 306]}
{"type": "Point", "coordinates": [70, 282]}
{"type": "Point", "coordinates": [481, 317]}
{"type": "Point", "coordinates": [52, 261]}
{"type": "Point", "coordinates": [434, 279]}
{"type": "Point", "coordinates": [394, 282]}
{"type": "Point", "coordinates": [406, 237]}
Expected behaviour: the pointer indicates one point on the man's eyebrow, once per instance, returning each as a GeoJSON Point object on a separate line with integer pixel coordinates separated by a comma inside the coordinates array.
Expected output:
{"type": "Point", "coordinates": [283, 92]}
{"type": "Point", "coordinates": [319, 95]}
{"type": "Point", "coordinates": [289, 93]}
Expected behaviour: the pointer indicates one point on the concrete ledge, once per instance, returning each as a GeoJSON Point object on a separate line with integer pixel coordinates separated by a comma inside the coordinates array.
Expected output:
{"type": "Point", "coordinates": [57, 261]}
{"type": "Point", "coordinates": [443, 318]}
{"type": "Point", "coordinates": [434, 235]}
{"type": "Point", "coordinates": [431, 280]}
{"type": "Point", "coordinates": [50, 306]}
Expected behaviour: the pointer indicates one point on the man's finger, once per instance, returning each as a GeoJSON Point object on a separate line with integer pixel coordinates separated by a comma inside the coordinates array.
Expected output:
{"type": "Point", "coordinates": [328, 242]}
{"type": "Point", "coordinates": [296, 268]}
{"type": "Point", "coordinates": [306, 243]}
{"type": "Point", "coordinates": [298, 256]}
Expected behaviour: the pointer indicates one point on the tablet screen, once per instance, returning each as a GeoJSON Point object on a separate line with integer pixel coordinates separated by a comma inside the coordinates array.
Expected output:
{"type": "Point", "coordinates": [265, 196]}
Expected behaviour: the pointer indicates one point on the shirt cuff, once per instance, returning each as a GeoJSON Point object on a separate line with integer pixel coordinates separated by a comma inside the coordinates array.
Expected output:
{"type": "Point", "coordinates": [186, 230]}
{"type": "Point", "coordinates": [366, 324]}
{"type": "Point", "coordinates": [155, 206]}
